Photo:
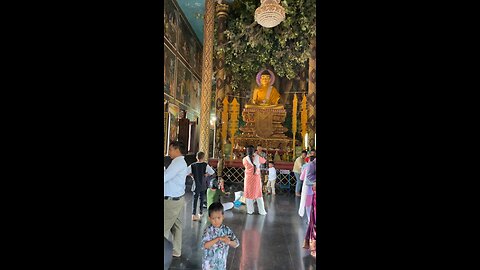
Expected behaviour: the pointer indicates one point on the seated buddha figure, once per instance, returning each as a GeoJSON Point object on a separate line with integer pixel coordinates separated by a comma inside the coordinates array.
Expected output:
{"type": "Point", "coordinates": [265, 95]}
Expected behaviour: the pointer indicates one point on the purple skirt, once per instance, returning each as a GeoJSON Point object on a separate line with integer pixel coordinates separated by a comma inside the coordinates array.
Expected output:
{"type": "Point", "coordinates": [312, 228]}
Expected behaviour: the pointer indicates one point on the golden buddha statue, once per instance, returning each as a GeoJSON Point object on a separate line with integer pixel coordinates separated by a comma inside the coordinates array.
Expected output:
{"type": "Point", "coordinates": [263, 115]}
{"type": "Point", "coordinates": [265, 95]}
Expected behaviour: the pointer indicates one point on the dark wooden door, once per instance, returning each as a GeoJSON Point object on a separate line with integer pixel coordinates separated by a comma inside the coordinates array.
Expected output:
{"type": "Point", "coordinates": [183, 131]}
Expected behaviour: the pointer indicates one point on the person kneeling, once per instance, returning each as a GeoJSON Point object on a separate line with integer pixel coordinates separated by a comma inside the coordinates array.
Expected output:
{"type": "Point", "coordinates": [214, 193]}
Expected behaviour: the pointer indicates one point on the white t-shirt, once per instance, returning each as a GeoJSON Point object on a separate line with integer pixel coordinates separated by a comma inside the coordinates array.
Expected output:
{"type": "Point", "coordinates": [272, 174]}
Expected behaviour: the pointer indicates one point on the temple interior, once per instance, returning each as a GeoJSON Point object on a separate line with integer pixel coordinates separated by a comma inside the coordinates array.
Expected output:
{"type": "Point", "coordinates": [241, 73]}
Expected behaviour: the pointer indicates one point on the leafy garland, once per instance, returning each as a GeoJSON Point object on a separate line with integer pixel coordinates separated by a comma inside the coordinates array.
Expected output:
{"type": "Point", "coordinates": [250, 47]}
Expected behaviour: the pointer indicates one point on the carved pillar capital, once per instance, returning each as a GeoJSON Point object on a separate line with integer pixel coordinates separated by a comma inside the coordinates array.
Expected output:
{"type": "Point", "coordinates": [222, 10]}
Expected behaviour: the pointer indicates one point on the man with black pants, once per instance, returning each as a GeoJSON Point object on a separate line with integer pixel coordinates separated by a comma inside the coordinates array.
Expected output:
{"type": "Point", "coordinates": [199, 170]}
{"type": "Point", "coordinates": [174, 190]}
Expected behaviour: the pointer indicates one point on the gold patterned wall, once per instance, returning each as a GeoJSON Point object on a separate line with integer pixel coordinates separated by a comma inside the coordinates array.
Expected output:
{"type": "Point", "coordinates": [182, 65]}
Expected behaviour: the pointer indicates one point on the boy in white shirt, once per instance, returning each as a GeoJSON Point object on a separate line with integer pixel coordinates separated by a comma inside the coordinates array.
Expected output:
{"type": "Point", "coordinates": [272, 176]}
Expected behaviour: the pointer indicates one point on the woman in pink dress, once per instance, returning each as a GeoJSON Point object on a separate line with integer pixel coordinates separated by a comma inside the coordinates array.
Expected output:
{"type": "Point", "coordinates": [253, 184]}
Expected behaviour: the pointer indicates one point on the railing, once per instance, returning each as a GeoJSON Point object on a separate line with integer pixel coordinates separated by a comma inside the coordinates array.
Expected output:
{"type": "Point", "coordinates": [237, 163]}
{"type": "Point", "coordinates": [234, 176]}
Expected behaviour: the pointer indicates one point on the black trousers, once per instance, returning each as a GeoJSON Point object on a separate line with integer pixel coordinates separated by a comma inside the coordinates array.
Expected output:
{"type": "Point", "coordinates": [196, 196]}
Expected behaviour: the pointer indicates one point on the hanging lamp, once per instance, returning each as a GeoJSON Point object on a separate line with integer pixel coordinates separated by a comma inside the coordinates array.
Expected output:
{"type": "Point", "coordinates": [270, 13]}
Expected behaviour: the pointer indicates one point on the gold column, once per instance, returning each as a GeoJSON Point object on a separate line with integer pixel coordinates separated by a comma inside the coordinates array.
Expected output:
{"type": "Point", "coordinates": [207, 69]}
{"type": "Point", "coordinates": [294, 121]}
{"type": "Point", "coordinates": [224, 121]}
{"type": "Point", "coordinates": [312, 96]}
{"type": "Point", "coordinates": [303, 119]}
{"type": "Point", "coordinates": [235, 111]}
{"type": "Point", "coordinates": [221, 123]}
{"type": "Point", "coordinates": [165, 126]}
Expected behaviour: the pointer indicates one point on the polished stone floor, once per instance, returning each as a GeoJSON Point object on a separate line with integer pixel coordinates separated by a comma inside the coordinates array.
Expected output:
{"type": "Point", "coordinates": [267, 242]}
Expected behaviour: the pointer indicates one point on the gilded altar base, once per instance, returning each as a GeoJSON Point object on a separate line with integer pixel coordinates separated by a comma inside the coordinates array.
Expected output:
{"type": "Point", "coordinates": [264, 126]}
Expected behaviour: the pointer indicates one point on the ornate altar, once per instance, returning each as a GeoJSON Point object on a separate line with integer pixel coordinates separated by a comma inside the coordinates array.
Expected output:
{"type": "Point", "coordinates": [264, 125]}
{"type": "Point", "coordinates": [264, 119]}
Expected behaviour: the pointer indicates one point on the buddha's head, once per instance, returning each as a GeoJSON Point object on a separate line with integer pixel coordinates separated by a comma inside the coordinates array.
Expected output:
{"type": "Point", "coordinates": [265, 78]}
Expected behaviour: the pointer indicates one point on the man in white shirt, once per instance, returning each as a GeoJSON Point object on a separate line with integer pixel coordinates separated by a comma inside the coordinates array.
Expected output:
{"type": "Point", "coordinates": [174, 190]}
{"type": "Point", "coordinates": [297, 170]}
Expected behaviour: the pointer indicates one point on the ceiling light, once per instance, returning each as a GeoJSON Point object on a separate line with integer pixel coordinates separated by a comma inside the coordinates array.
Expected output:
{"type": "Point", "coordinates": [270, 13]}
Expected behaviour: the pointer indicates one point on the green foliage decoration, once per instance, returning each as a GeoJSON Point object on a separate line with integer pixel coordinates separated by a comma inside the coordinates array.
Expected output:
{"type": "Point", "coordinates": [250, 47]}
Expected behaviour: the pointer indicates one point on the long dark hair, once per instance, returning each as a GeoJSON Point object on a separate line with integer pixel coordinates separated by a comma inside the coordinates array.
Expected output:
{"type": "Point", "coordinates": [250, 152]}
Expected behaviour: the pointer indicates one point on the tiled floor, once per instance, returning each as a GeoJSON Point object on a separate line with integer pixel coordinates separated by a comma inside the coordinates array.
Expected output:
{"type": "Point", "coordinates": [267, 242]}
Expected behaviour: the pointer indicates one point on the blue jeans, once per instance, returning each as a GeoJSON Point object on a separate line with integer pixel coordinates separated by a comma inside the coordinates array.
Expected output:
{"type": "Point", "coordinates": [298, 186]}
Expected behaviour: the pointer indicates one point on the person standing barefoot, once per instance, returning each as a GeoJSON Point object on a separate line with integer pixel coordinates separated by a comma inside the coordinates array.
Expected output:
{"type": "Point", "coordinates": [297, 170]}
{"type": "Point", "coordinates": [253, 181]}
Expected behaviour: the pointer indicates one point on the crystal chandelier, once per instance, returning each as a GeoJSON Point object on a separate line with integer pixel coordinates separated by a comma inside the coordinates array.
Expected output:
{"type": "Point", "coordinates": [270, 13]}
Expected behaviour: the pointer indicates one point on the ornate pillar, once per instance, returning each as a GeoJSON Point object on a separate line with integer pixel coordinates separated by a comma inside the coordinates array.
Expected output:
{"type": "Point", "coordinates": [303, 80]}
{"type": "Point", "coordinates": [235, 111]}
{"type": "Point", "coordinates": [228, 87]}
{"type": "Point", "coordinates": [207, 69]}
{"type": "Point", "coordinates": [312, 96]}
{"type": "Point", "coordinates": [221, 123]}
{"type": "Point", "coordinates": [294, 122]}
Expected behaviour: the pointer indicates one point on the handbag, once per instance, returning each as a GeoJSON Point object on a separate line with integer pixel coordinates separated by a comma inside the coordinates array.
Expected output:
{"type": "Point", "coordinates": [238, 195]}
{"type": "Point", "coordinates": [242, 200]}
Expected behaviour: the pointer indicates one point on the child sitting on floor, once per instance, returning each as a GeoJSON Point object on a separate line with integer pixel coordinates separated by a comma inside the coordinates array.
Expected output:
{"type": "Point", "coordinates": [214, 193]}
{"type": "Point", "coordinates": [217, 239]}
